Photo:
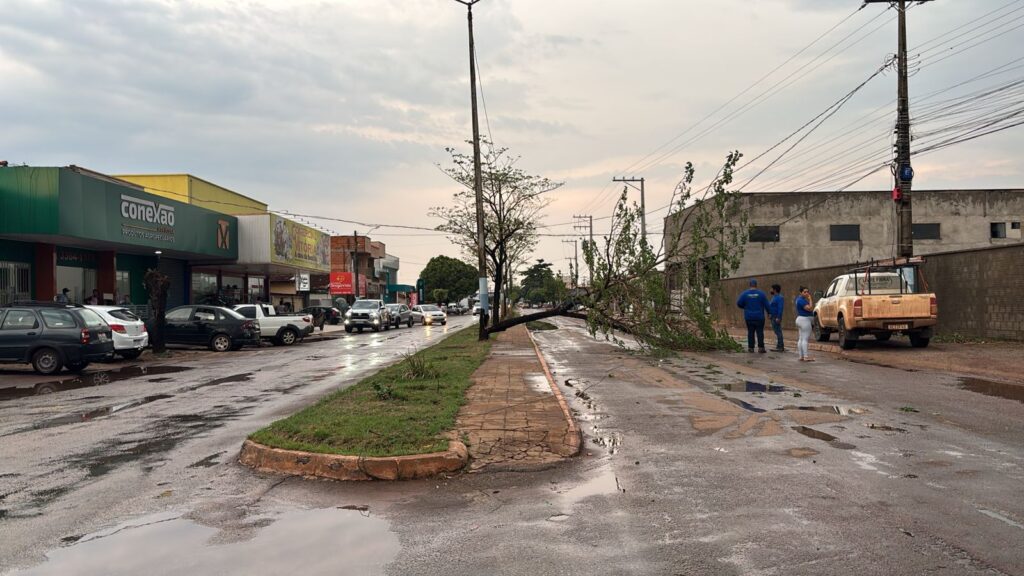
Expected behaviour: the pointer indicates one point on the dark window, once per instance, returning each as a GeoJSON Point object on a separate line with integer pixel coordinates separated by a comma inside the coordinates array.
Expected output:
{"type": "Point", "coordinates": [20, 320]}
{"type": "Point", "coordinates": [92, 319]}
{"type": "Point", "coordinates": [248, 311]}
{"type": "Point", "coordinates": [205, 315]}
{"type": "Point", "coordinates": [179, 314]}
{"type": "Point", "coordinates": [1014, 225]}
{"type": "Point", "coordinates": [58, 319]}
{"type": "Point", "coordinates": [844, 232]}
{"type": "Point", "coordinates": [122, 314]}
{"type": "Point", "coordinates": [764, 234]}
{"type": "Point", "coordinates": [926, 232]}
{"type": "Point", "coordinates": [998, 230]}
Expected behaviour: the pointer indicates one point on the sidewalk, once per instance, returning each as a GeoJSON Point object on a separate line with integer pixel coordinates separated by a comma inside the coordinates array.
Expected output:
{"type": "Point", "coordinates": [514, 415]}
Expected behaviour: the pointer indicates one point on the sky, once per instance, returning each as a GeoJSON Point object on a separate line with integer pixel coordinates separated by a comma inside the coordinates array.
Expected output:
{"type": "Point", "coordinates": [344, 108]}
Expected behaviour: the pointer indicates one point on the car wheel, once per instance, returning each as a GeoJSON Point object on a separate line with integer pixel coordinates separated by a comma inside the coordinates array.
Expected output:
{"type": "Point", "coordinates": [919, 341]}
{"type": "Point", "coordinates": [46, 388]}
{"type": "Point", "coordinates": [376, 328]}
{"type": "Point", "coordinates": [348, 329]}
{"type": "Point", "coordinates": [444, 323]}
{"type": "Point", "coordinates": [220, 343]}
{"type": "Point", "coordinates": [46, 361]}
{"type": "Point", "coordinates": [820, 334]}
{"type": "Point", "coordinates": [288, 337]}
{"type": "Point", "coordinates": [130, 354]}
{"type": "Point", "coordinates": [847, 341]}
{"type": "Point", "coordinates": [360, 329]}
{"type": "Point", "coordinates": [883, 337]}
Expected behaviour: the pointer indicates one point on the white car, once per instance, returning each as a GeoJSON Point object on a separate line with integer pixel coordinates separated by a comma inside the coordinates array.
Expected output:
{"type": "Point", "coordinates": [128, 331]}
{"type": "Point", "coordinates": [428, 314]}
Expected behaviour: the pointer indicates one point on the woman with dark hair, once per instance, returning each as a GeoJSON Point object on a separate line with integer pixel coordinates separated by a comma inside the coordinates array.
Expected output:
{"type": "Point", "coordinates": [804, 314]}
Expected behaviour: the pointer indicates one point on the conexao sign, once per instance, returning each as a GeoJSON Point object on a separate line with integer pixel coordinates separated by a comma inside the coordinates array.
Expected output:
{"type": "Point", "coordinates": [146, 219]}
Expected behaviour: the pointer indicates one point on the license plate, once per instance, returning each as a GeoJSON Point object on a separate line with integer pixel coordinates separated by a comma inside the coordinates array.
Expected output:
{"type": "Point", "coordinates": [897, 326]}
{"type": "Point", "coordinates": [103, 337]}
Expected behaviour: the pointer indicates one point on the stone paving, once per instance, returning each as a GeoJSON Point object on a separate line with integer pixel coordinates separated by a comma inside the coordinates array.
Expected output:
{"type": "Point", "coordinates": [514, 416]}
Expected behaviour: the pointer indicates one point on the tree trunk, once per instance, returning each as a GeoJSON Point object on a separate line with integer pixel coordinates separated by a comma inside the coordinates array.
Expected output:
{"type": "Point", "coordinates": [157, 284]}
{"type": "Point", "coordinates": [499, 278]}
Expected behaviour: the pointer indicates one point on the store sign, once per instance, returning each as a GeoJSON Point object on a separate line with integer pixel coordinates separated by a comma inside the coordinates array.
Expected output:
{"type": "Point", "coordinates": [146, 219]}
{"type": "Point", "coordinates": [298, 245]}
{"type": "Point", "coordinates": [302, 282]}
{"type": "Point", "coordinates": [341, 283]}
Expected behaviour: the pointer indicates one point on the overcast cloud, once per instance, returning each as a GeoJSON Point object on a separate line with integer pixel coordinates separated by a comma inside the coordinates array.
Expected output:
{"type": "Point", "coordinates": [344, 108]}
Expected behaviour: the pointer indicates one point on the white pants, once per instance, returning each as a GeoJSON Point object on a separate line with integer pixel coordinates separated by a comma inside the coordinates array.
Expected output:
{"type": "Point", "coordinates": [803, 326]}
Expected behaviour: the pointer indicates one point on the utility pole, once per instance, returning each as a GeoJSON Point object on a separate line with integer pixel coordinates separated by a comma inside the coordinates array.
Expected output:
{"type": "Point", "coordinates": [589, 226]}
{"type": "Point", "coordinates": [477, 179]}
{"type": "Point", "coordinates": [576, 262]}
{"type": "Point", "coordinates": [902, 170]}
{"type": "Point", "coordinates": [643, 210]}
{"type": "Point", "coordinates": [355, 264]}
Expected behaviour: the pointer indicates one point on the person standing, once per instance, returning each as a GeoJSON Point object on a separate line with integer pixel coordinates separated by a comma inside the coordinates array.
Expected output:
{"type": "Point", "coordinates": [775, 309]}
{"type": "Point", "coordinates": [754, 303]}
{"type": "Point", "coordinates": [804, 315]}
{"type": "Point", "coordinates": [62, 298]}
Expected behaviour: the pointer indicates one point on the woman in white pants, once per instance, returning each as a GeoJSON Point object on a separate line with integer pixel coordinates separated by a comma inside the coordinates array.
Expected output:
{"type": "Point", "coordinates": [804, 316]}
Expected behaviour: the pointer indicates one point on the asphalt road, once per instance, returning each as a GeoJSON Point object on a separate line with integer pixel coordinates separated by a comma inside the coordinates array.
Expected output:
{"type": "Point", "coordinates": [702, 464]}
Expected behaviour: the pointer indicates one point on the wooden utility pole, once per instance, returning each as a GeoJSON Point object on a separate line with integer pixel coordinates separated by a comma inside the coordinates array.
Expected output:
{"type": "Point", "coordinates": [643, 211]}
{"type": "Point", "coordinates": [477, 178]}
{"type": "Point", "coordinates": [589, 226]}
{"type": "Point", "coordinates": [576, 262]}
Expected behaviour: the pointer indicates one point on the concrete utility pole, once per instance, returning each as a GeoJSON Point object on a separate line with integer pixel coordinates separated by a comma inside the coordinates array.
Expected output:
{"type": "Point", "coordinates": [575, 262]}
{"type": "Point", "coordinates": [643, 210]}
{"type": "Point", "coordinates": [477, 179]}
{"type": "Point", "coordinates": [902, 170]}
{"type": "Point", "coordinates": [589, 226]}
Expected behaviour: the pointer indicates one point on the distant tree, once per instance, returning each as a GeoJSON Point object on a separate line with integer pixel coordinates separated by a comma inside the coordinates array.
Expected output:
{"type": "Point", "coordinates": [157, 284]}
{"type": "Point", "coordinates": [451, 274]}
{"type": "Point", "coordinates": [440, 295]}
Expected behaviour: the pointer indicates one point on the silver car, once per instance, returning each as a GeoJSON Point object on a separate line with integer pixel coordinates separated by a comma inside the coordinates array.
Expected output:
{"type": "Point", "coordinates": [428, 314]}
{"type": "Point", "coordinates": [128, 331]}
{"type": "Point", "coordinates": [400, 314]}
{"type": "Point", "coordinates": [372, 314]}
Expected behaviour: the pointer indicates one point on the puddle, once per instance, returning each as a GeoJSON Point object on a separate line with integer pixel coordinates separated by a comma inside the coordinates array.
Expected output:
{"type": "Point", "coordinates": [243, 377]}
{"type": "Point", "coordinates": [538, 382]}
{"type": "Point", "coordinates": [91, 379]}
{"type": "Point", "coordinates": [885, 428]}
{"type": "Point", "coordinates": [840, 410]}
{"type": "Point", "coordinates": [207, 462]}
{"type": "Point", "coordinates": [749, 386]}
{"type": "Point", "coordinates": [991, 388]}
{"type": "Point", "coordinates": [79, 417]}
{"type": "Point", "coordinates": [605, 483]}
{"type": "Point", "coordinates": [166, 544]}
{"type": "Point", "coordinates": [824, 437]}
{"type": "Point", "coordinates": [745, 405]}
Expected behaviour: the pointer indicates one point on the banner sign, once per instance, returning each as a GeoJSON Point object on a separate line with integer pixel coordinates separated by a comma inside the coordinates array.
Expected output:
{"type": "Point", "coordinates": [341, 283]}
{"type": "Point", "coordinates": [298, 245]}
{"type": "Point", "coordinates": [302, 282]}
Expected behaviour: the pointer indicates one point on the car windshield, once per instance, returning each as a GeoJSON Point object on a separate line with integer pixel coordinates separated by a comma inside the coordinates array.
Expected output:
{"type": "Point", "coordinates": [122, 314]}
{"type": "Point", "coordinates": [430, 308]}
{"type": "Point", "coordinates": [232, 314]}
{"type": "Point", "coordinates": [394, 307]}
{"type": "Point", "coordinates": [878, 283]}
{"type": "Point", "coordinates": [92, 319]}
{"type": "Point", "coordinates": [365, 305]}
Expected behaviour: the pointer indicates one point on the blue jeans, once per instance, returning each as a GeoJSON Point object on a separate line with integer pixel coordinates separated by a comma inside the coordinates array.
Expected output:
{"type": "Point", "coordinates": [755, 327]}
{"type": "Point", "coordinates": [777, 328]}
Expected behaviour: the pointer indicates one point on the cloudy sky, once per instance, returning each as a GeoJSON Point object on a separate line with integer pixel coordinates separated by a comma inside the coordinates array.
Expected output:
{"type": "Point", "coordinates": [343, 108]}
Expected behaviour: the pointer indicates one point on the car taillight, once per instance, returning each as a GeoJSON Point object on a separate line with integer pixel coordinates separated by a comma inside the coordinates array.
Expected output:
{"type": "Point", "coordinates": [144, 330]}
{"type": "Point", "coordinates": [307, 318]}
{"type": "Point", "coordinates": [858, 308]}
{"type": "Point", "coordinates": [85, 335]}
{"type": "Point", "coordinates": [934, 307]}
{"type": "Point", "coordinates": [119, 328]}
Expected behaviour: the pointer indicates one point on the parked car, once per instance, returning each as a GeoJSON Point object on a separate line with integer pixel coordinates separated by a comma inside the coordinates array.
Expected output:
{"type": "Point", "coordinates": [331, 314]}
{"type": "Point", "coordinates": [371, 314]}
{"type": "Point", "coordinates": [428, 314]}
{"type": "Point", "coordinates": [455, 308]}
{"type": "Point", "coordinates": [282, 329]}
{"type": "Point", "coordinates": [400, 314]}
{"type": "Point", "coordinates": [881, 300]}
{"type": "Point", "coordinates": [476, 309]}
{"type": "Point", "coordinates": [128, 331]}
{"type": "Point", "coordinates": [51, 336]}
{"type": "Point", "coordinates": [221, 329]}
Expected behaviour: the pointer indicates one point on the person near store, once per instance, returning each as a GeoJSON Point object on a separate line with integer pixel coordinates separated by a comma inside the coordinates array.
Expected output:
{"type": "Point", "coordinates": [775, 309]}
{"type": "Point", "coordinates": [62, 298]}
{"type": "Point", "coordinates": [804, 315]}
{"type": "Point", "coordinates": [126, 300]}
{"type": "Point", "coordinates": [754, 303]}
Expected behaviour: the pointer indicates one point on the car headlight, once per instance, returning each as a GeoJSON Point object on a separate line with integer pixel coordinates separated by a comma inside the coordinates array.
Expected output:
{"type": "Point", "coordinates": [348, 314]}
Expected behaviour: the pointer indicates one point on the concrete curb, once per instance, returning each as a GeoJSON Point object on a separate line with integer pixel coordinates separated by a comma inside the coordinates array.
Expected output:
{"type": "Point", "coordinates": [575, 435]}
{"type": "Point", "coordinates": [342, 467]}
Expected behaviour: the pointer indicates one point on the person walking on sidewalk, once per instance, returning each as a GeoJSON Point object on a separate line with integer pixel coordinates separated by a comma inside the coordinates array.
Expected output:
{"type": "Point", "coordinates": [775, 309]}
{"type": "Point", "coordinates": [804, 314]}
{"type": "Point", "coordinates": [754, 303]}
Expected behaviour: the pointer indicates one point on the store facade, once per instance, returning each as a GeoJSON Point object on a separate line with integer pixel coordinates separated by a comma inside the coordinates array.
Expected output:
{"type": "Point", "coordinates": [95, 234]}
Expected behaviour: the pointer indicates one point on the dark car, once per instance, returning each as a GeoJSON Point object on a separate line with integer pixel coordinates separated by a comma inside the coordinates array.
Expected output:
{"type": "Point", "coordinates": [220, 329]}
{"type": "Point", "coordinates": [51, 336]}
{"type": "Point", "coordinates": [332, 315]}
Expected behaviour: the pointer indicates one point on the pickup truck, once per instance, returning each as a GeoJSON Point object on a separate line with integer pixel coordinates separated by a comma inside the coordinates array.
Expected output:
{"type": "Point", "coordinates": [879, 301]}
{"type": "Point", "coordinates": [278, 328]}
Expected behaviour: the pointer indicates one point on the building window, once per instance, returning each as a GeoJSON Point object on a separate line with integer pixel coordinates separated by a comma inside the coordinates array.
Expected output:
{"type": "Point", "coordinates": [764, 234]}
{"type": "Point", "coordinates": [15, 282]}
{"type": "Point", "coordinates": [844, 232]}
{"type": "Point", "coordinates": [926, 232]}
{"type": "Point", "coordinates": [124, 284]}
{"type": "Point", "coordinates": [998, 230]}
{"type": "Point", "coordinates": [1014, 225]}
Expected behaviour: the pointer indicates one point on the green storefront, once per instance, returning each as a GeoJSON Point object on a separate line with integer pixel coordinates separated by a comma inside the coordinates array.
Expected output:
{"type": "Point", "coordinates": [85, 231]}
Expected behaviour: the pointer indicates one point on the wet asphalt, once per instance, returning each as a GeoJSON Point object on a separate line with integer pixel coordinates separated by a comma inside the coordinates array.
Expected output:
{"type": "Point", "coordinates": [861, 470]}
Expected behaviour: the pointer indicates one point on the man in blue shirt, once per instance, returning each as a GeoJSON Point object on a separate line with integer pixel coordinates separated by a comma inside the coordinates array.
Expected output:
{"type": "Point", "coordinates": [754, 304]}
{"type": "Point", "coordinates": [775, 309]}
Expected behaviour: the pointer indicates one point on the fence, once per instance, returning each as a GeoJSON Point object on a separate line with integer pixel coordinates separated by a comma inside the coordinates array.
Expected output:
{"type": "Point", "coordinates": [980, 292]}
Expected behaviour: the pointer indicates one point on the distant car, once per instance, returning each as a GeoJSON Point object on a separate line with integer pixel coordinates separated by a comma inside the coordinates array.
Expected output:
{"type": "Point", "coordinates": [221, 329]}
{"type": "Point", "coordinates": [128, 330]}
{"type": "Point", "coordinates": [400, 314]}
{"type": "Point", "coordinates": [428, 314]}
{"type": "Point", "coordinates": [369, 313]}
{"type": "Point", "coordinates": [331, 314]}
{"type": "Point", "coordinates": [51, 336]}
{"type": "Point", "coordinates": [281, 329]}
{"type": "Point", "coordinates": [455, 308]}
{"type": "Point", "coordinates": [476, 309]}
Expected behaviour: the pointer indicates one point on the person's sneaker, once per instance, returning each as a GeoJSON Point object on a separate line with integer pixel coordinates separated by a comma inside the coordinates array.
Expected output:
{"type": "Point", "coordinates": [778, 349]}
{"type": "Point", "coordinates": [750, 350]}
{"type": "Point", "coordinates": [762, 351]}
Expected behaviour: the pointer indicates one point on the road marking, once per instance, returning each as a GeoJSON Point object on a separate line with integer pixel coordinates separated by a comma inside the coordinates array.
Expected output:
{"type": "Point", "coordinates": [1001, 518]}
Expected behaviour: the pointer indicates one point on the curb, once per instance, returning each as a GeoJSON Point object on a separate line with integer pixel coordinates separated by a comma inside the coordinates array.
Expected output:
{"type": "Point", "coordinates": [343, 467]}
{"type": "Point", "coordinates": [575, 436]}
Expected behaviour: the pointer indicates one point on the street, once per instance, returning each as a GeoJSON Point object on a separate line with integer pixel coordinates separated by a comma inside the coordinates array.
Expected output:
{"type": "Point", "coordinates": [695, 464]}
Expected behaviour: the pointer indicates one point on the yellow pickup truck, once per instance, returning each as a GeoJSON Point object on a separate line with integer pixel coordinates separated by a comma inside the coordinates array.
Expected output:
{"type": "Point", "coordinates": [879, 300]}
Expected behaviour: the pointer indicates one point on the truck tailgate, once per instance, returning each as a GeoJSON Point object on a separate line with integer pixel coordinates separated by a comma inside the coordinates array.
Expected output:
{"type": "Point", "coordinates": [897, 306]}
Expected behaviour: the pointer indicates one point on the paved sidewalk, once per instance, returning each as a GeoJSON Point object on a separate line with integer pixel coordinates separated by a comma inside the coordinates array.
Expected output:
{"type": "Point", "coordinates": [514, 415]}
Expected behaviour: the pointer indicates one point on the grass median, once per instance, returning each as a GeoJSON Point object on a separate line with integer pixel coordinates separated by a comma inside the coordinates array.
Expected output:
{"type": "Point", "coordinates": [404, 409]}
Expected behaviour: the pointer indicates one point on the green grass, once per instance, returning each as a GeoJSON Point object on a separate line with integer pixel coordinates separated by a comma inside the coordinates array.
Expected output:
{"type": "Point", "coordinates": [540, 325]}
{"type": "Point", "coordinates": [403, 409]}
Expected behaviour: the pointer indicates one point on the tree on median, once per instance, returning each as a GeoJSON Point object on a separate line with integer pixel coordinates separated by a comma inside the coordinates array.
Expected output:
{"type": "Point", "coordinates": [451, 274]}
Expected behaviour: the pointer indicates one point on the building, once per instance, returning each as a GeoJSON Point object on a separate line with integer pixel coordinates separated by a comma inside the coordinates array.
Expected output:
{"type": "Point", "coordinates": [78, 229]}
{"type": "Point", "coordinates": [804, 230]}
{"type": "Point", "coordinates": [277, 257]}
{"type": "Point", "coordinates": [366, 254]}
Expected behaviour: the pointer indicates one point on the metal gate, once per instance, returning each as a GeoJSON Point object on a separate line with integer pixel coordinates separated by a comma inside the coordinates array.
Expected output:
{"type": "Point", "coordinates": [15, 282]}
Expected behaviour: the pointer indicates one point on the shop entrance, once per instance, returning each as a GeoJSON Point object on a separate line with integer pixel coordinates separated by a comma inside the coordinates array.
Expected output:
{"type": "Point", "coordinates": [80, 281]}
